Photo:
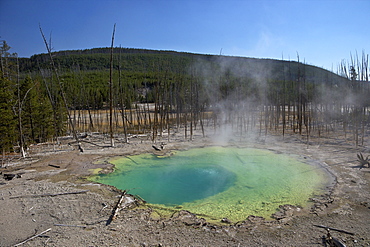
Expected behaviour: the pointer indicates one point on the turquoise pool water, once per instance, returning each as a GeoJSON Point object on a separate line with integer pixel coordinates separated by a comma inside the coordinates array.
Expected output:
{"type": "Point", "coordinates": [218, 182]}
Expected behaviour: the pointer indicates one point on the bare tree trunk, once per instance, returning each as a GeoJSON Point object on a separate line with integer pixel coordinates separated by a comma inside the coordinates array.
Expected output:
{"type": "Point", "coordinates": [121, 96]}
{"type": "Point", "coordinates": [61, 90]}
{"type": "Point", "coordinates": [21, 143]}
{"type": "Point", "coordinates": [111, 91]}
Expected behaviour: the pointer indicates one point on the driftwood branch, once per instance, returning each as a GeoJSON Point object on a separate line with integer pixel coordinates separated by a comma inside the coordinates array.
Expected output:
{"type": "Point", "coordinates": [101, 146]}
{"type": "Point", "coordinates": [115, 210]}
{"type": "Point", "coordinates": [334, 229]}
{"type": "Point", "coordinates": [157, 149]}
{"type": "Point", "coordinates": [177, 210]}
{"type": "Point", "coordinates": [44, 195]}
{"type": "Point", "coordinates": [35, 236]}
{"type": "Point", "coordinates": [55, 166]}
{"type": "Point", "coordinates": [69, 225]}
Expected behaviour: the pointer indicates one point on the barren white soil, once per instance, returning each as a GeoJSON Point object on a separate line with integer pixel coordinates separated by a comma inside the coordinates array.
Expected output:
{"type": "Point", "coordinates": [51, 195]}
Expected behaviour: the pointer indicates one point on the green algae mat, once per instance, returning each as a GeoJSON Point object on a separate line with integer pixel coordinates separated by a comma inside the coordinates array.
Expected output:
{"type": "Point", "coordinates": [218, 182]}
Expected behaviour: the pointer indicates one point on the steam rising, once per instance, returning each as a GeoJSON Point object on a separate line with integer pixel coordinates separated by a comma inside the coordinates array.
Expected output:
{"type": "Point", "coordinates": [249, 97]}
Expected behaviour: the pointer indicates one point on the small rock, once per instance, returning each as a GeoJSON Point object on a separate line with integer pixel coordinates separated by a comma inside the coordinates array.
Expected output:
{"type": "Point", "coordinates": [188, 218]}
{"type": "Point", "coordinates": [226, 220]}
{"type": "Point", "coordinates": [255, 219]}
{"type": "Point", "coordinates": [286, 211]}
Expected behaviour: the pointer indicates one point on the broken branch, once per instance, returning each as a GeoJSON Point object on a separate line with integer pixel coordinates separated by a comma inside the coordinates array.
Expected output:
{"type": "Point", "coordinates": [37, 235]}
{"type": "Point", "coordinates": [115, 210]}
{"type": "Point", "coordinates": [69, 225]}
{"type": "Point", "coordinates": [55, 166]}
{"type": "Point", "coordinates": [334, 229]}
{"type": "Point", "coordinates": [43, 195]}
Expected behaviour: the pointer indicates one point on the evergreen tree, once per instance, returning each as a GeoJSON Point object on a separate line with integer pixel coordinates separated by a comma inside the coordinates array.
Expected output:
{"type": "Point", "coordinates": [4, 54]}
{"type": "Point", "coordinates": [42, 115]}
{"type": "Point", "coordinates": [7, 117]}
{"type": "Point", "coordinates": [37, 113]}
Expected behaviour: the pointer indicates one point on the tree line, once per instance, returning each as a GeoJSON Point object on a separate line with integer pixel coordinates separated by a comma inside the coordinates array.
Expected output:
{"type": "Point", "coordinates": [160, 91]}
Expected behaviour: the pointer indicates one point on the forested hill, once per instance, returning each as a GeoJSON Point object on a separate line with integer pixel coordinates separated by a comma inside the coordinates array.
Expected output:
{"type": "Point", "coordinates": [38, 96]}
{"type": "Point", "coordinates": [144, 60]}
{"type": "Point", "coordinates": [137, 60]}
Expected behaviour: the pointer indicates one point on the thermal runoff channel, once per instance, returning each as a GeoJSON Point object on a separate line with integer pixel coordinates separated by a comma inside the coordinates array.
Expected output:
{"type": "Point", "coordinates": [218, 182]}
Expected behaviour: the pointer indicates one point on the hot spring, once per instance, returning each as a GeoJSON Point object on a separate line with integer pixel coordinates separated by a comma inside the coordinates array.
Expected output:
{"type": "Point", "coordinates": [218, 182]}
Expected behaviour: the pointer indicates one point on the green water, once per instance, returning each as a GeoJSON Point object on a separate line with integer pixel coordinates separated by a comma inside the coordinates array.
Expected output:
{"type": "Point", "coordinates": [218, 182]}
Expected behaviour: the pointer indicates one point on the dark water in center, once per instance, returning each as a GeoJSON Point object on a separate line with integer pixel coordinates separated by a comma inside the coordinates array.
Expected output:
{"type": "Point", "coordinates": [176, 183]}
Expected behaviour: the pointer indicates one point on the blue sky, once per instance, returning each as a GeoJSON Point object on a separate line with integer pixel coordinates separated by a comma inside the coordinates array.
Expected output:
{"type": "Point", "coordinates": [322, 32]}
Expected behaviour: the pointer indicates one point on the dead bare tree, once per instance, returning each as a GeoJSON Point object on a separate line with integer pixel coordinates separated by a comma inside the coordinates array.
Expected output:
{"type": "Point", "coordinates": [121, 96]}
{"type": "Point", "coordinates": [21, 142]}
{"type": "Point", "coordinates": [111, 91]}
{"type": "Point", "coordinates": [48, 48]}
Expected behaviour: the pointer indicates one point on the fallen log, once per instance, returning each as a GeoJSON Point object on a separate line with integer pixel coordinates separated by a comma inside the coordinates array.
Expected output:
{"type": "Point", "coordinates": [132, 160]}
{"type": "Point", "coordinates": [44, 195]}
{"type": "Point", "coordinates": [69, 225]}
{"type": "Point", "coordinates": [55, 166]}
{"type": "Point", "coordinates": [115, 210]}
{"type": "Point", "coordinates": [156, 148]}
{"type": "Point", "coordinates": [105, 146]}
{"type": "Point", "coordinates": [179, 210]}
{"type": "Point", "coordinates": [334, 229]}
{"type": "Point", "coordinates": [35, 236]}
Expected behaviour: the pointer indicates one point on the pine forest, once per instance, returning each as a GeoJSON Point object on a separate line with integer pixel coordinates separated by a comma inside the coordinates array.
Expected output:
{"type": "Point", "coordinates": [123, 92]}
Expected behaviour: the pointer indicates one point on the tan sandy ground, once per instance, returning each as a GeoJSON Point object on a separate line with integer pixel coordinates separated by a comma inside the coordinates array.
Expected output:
{"type": "Point", "coordinates": [37, 201]}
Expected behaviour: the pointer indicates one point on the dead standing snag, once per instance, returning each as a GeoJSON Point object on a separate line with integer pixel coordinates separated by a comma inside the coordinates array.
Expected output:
{"type": "Point", "coordinates": [62, 93]}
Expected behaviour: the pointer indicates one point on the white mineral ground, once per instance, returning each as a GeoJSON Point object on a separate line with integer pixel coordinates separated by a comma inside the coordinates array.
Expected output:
{"type": "Point", "coordinates": [51, 196]}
